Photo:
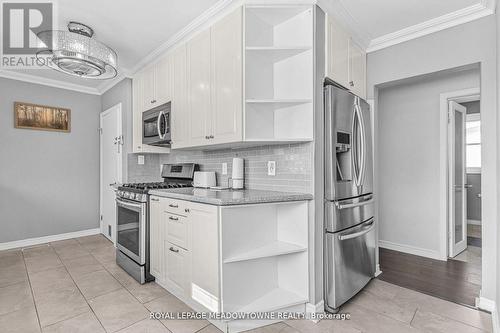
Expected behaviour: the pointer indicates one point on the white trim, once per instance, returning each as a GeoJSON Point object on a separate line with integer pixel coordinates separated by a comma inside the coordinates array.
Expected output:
{"type": "Point", "coordinates": [495, 319]}
{"type": "Point", "coordinates": [444, 98]}
{"type": "Point", "coordinates": [205, 298]}
{"type": "Point", "coordinates": [473, 171]}
{"type": "Point", "coordinates": [411, 250]}
{"type": "Point", "coordinates": [312, 309]}
{"type": "Point", "coordinates": [474, 222]}
{"type": "Point", "coordinates": [446, 21]}
{"type": "Point", "coordinates": [48, 82]}
{"type": "Point", "coordinates": [377, 270]}
{"type": "Point", "coordinates": [46, 239]}
{"type": "Point", "coordinates": [485, 304]}
{"type": "Point", "coordinates": [106, 85]}
{"type": "Point", "coordinates": [473, 117]}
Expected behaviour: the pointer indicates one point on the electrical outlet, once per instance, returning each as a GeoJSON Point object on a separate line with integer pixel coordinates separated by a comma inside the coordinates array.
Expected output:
{"type": "Point", "coordinates": [271, 168]}
{"type": "Point", "coordinates": [224, 168]}
{"type": "Point", "coordinates": [140, 159]}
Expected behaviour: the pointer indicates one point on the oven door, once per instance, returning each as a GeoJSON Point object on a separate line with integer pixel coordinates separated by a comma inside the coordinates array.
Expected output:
{"type": "Point", "coordinates": [131, 229]}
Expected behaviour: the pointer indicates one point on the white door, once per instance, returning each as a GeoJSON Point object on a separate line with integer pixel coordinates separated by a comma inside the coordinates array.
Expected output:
{"type": "Point", "coordinates": [110, 167]}
{"type": "Point", "coordinates": [457, 176]}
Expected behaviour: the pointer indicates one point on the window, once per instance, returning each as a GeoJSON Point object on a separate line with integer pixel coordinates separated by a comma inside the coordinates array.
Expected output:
{"type": "Point", "coordinates": [473, 143]}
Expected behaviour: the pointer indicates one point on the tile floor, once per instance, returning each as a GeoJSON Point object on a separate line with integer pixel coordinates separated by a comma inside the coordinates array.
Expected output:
{"type": "Point", "coordinates": [75, 286]}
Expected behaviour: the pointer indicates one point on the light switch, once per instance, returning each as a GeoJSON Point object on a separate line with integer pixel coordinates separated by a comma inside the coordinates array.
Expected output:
{"type": "Point", "coordinates": [140, 159]}
{"type": "Point", "coordinates": [271, 168]}
{"type": "Point", "coordinates": [224, 168]}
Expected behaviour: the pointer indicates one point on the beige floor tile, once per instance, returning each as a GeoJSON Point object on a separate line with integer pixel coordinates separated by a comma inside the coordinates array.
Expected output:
{"type": "Point", "coordinates": [323, 326]}
{"type": "Point", "coordinates": [146, 326]}
{"type": "Point", "coordinates": [64, 243]}
{"type": "Point", "coordinates": [71, 251]}
{"type": "Point", "coordinates": [11, 258]}
{"type": "Point", "coordinates": [172, 304]}
{"type": "Point", "coordinates": [118, 310]}
{"type": "Point", "coordinates": [49, 279]}
{"type": "Point", "coordinates": [43, 262]}
{"type": "Point", "coordinates": [38, 250]}
{"type": "Point", "coordinates": [96, 284]}
{"type": "Point", "coordinates": [59, 304]}
{"type": "Point", "coordinates": [274, 328]}
{"type": "Point", "coordinates": [147, 292]}
{"type": "Point", "coordinates": [391, 307]}
{"type": "Point", "coordinates": [84, 323]}
{"type": "Point", "coordinates": [210, 329]}
{"type": "Point", "coordinates": [382, 289]}
{"type": "Point", "coordinates": [123, 277]}
{"type": "Point", "coordinates": [447, 309]}
{"type": "Point", "coordinates": [367, 320]}
{"type": "Point", "coordinates": [15, 297]}
{"type": "Point", "coordinates": [82, 265]}
{"type": "Point", "coordinates": [433, 323]}
{"type": "Point", "coordinates": [12, 274]}
{"type": "Point", "coordinates": [20, 321]}
{"type": "Point", "coordinates": [94, 242]}
{"type": "Point", "coordinates": [105, 254]}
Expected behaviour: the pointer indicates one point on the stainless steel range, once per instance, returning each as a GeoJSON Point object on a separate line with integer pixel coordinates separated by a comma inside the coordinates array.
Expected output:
{"type": "Point", "coordinates": [132, 218]}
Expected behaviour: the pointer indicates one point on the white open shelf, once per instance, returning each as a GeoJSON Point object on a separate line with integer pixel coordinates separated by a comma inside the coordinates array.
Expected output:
{"type": "Point", "coordinates": [276, 53]}
{"type": "Point", "coordinates": [265, 256]}
{"type": "Point", "coordinates": [277, 248]}
{"type": "Point", "coordinates": [276, 299]}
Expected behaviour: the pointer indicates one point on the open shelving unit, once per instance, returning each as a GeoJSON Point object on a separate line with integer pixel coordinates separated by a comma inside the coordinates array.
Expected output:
{"type": "Point", "coordinates": [264, 256]}
{"type": "Point", "coordinates": [278, 73]}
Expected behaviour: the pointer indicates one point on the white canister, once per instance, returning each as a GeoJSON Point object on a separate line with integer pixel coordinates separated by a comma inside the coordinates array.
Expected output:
{"type": "Point", "coordinates": [238, 174]}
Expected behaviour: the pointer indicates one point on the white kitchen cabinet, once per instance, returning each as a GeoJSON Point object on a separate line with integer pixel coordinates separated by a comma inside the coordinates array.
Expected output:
{"type": "Point", "coordinates": [148, 100]}
{"type": "Point", "coordinates": [177, 268]}
{"type": "Point", "coordinates": [345, 60]}
{"type": "Point", "coordinates": [357, 69]}
{"type": "Point", "coordinates": [227, 78]}
{"type": "Point", "coordinates": [337, 49]}
{"type": "Point", "coordinates": [137, 113]}
{"type": "Point", "coordinates": [180, 117]}
{"type": "Point", "coordinates": [163, 80]}
{"type": "Point", "coordinates": [198, 60]}
{"type": "Point", "coordinates": [157, 232]}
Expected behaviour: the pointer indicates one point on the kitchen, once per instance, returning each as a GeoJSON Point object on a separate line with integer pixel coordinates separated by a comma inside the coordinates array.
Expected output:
{"type": "Point", "coordinates": [238, 106]}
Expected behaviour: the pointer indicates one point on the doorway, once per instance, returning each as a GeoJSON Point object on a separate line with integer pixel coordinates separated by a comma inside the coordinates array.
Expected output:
{"type": "Point", "coordinates": [111, 143]}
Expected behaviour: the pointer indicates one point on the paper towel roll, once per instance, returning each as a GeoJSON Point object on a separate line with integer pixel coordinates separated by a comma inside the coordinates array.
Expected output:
{"type": "Point", "coordinates": [238, 173]}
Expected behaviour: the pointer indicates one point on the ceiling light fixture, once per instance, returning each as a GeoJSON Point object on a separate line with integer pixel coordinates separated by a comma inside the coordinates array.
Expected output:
{"type": "Point", "coordinates": [75, 52]}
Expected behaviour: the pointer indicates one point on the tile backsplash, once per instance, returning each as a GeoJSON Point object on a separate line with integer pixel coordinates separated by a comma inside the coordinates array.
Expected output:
{"type": "Point", "coordinates": [293, 166]}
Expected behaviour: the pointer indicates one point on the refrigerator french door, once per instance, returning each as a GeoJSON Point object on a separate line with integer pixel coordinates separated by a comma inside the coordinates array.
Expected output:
{"type": "Point", "coordinates": [349, 242]}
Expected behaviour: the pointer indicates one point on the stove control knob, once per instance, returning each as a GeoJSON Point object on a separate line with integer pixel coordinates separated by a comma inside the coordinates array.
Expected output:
{"type": "Point", "coordinates": [132, 195]}
{"type": "Point", "coordinates": [126, 195]}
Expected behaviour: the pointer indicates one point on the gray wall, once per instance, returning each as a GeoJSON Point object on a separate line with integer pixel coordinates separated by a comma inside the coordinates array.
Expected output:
{"type": "Point", "coordinates": [409, 158]}
{"type": "Point", "coordinates": [122, 93]}
{"type": "Point", "coordinates": [473, 201]}
{"type": "Point", "coordinates": [469, 43]}
{"type": "Point", "coordinates": [293, 166]}
{"type": "Point", "coordinates": [49, 181]}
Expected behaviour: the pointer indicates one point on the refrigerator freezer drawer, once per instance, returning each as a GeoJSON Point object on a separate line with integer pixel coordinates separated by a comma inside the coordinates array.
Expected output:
{"type": "Point", "coordinates": [349, 263]}
{"type": "Point", "coordinates": [343, 214]}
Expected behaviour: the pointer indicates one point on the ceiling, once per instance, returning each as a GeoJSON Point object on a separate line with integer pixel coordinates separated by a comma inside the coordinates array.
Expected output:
{"type": "Point", "coordinates": [137, 29]}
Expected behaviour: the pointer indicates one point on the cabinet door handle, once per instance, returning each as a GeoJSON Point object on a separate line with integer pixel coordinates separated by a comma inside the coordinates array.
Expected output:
{"type": "Point", "coordinates": [174, 250]}
{"type": "Point", "coordinates": [207, 137]}
{"type": "Point", "coordinates": [351, 83]}
{"type": "Point", "coordinates": [173, 206]}
{"type": "Point", "coordinates": [186, 210]}
{"type": "Point", "coordinates": [211, 137]}
{"type": "Point", "coordinates": [155, 199]}
{"type": "Point", "coordinates": [153, 101]}
{"type": "Point", "coordinates": [173, 218]}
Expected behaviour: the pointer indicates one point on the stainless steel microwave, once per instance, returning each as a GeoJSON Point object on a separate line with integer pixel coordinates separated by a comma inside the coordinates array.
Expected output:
{"type": "Point", "coordinates": [156, 130]}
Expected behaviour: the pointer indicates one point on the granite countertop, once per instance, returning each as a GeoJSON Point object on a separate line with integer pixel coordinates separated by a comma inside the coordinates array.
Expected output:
{"type": "Point", "coordinates": [230, 197]}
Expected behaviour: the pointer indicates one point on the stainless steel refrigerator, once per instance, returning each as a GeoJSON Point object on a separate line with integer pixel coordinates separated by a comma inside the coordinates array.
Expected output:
{"type": "Point", "coordinates": [349, 243]}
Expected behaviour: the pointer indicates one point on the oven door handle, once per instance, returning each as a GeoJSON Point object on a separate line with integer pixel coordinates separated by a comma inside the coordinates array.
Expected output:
{"type": "Point", "coordinates": [127, 203]}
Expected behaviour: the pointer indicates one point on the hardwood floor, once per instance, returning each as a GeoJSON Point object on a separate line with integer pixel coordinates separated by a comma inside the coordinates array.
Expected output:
{"type": "Point", "coordinates": [452, 280]}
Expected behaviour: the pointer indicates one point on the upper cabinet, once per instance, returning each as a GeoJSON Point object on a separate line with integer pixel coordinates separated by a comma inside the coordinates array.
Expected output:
{"type": "Point", "coordinates": [245, 80]}
{"type": "Point", "coordinates": [345, 60]}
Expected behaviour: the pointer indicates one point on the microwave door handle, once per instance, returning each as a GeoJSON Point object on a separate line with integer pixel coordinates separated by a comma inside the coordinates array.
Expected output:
{"type": "Point", "coordinates": [370, 224]}
{"type": "Point", "coordinates": [158, 124]}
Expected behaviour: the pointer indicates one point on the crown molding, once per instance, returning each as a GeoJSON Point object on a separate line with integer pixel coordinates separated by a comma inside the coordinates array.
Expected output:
{"type": "Point", "coordinates": [467, 14]}
{"type": "Point", "coordinates": [107, 85]}
{"type": "Point", "coordinates": [192, 27]}
{"type": "Point", "coordinates": [48, 82]}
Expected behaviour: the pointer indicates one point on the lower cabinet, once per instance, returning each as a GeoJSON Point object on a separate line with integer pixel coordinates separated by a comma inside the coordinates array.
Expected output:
{"type": "Point", "coordinates": [177, 268]}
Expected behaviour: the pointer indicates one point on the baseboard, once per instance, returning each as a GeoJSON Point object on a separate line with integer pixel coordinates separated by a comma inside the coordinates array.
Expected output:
{"type": "Point", "coordinates": [495, 320]}
{"type": "Point", "coordinates": [315, 308]}
{"type": "Point", "coordinates": [474, 222]}
{"type": "Point", "coordinates": [411, 250]}
{"type": "Point", "coordinates": [377, 270]}
{"type": "Point", "coordinates": [47, 239]}
{"type": "Point", "coordinates": [485, 304]}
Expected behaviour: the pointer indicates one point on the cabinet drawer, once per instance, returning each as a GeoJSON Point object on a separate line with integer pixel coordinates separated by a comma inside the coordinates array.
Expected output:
{"type": "Point", "coordinates": [177, 230]}
{"type": "Point", "coordinates": [178, 263]}
{"type": "Point", "coordinates": [177, 207]}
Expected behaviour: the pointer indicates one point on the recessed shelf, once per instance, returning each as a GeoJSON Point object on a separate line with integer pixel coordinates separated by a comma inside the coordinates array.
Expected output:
{"type": "Point", "coordinates": [276, 299]}
{"type": "Point", "coordinates": [270, 250]}
{"type": "Point", "coordinates": [282, 102]}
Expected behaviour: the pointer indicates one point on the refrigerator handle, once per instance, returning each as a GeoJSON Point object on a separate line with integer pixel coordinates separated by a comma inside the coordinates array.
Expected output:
{"type": "Point", "coordinates": [354, 146]}
{"type": "Point", "coordinates": [354, 205]}
{"type": "Point", "coordinates": [363, 143]}
{"type": "Point", "coordinates": [370, 224]}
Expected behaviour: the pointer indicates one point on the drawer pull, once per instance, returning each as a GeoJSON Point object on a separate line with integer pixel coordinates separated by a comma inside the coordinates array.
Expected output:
{"type": "Point", "coordinates": [174, 250]}
{"type": "Point", "coordinates": [154, 199]}
{"type": "Point", "coordinates": [173, 218]}
{"type": "Point", "coordinates": [186, 210]}
{"type": "Point", "coordinates": [173, 206]}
